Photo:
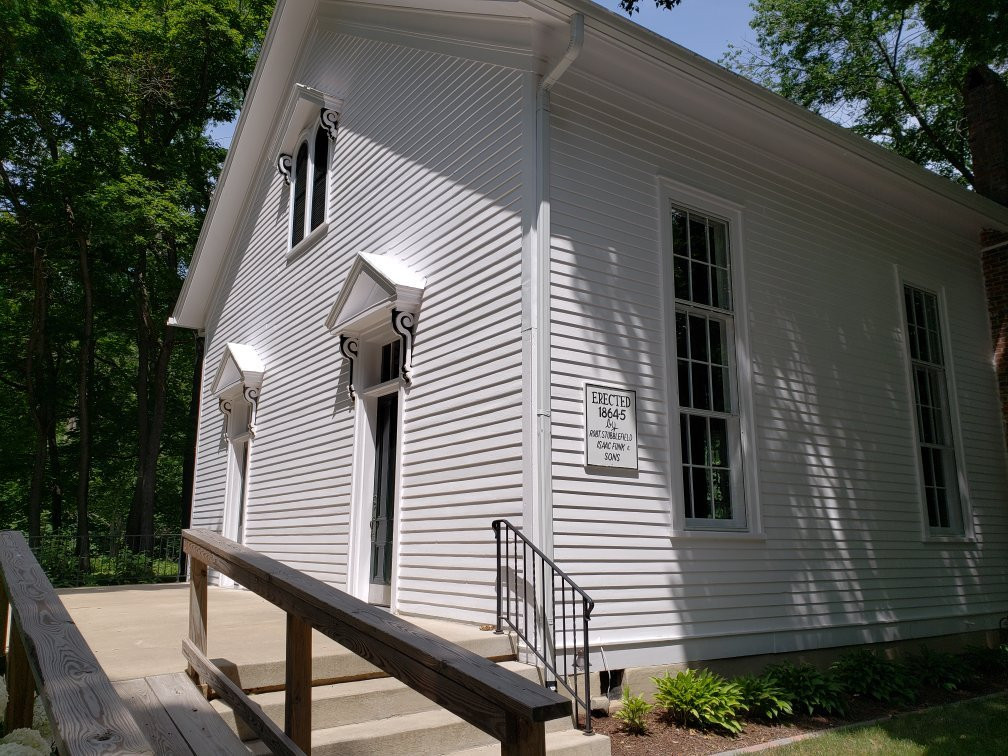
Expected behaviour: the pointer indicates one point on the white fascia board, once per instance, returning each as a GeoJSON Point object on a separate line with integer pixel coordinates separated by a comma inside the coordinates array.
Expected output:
{"type": "Point", "coordinates": [721, 82]}
{"type": "Point", "coordinates": [288, 28]}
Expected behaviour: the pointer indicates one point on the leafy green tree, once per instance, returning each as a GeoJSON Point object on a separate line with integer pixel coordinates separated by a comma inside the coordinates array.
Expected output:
{"type": "Point", "coordinates": [923, 78]}
{"type": "Point", "coordinates": [105, 176]}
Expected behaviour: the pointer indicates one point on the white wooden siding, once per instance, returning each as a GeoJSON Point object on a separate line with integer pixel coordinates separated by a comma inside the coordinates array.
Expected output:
{"type": "Point", "coordinates": [842, 560]}
{"type": "Point", "coordinates": [426, 167]}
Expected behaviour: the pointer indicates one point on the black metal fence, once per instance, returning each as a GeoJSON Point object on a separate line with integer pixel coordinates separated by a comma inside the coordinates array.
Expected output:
{"type": "Point", "coordinates": [547, 610]}
{"type": "Point", "coordinates": [110, 559]}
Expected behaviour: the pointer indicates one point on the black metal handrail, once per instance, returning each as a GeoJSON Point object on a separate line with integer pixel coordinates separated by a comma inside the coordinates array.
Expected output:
{"type": "Point", "coordinates": [527, 600]}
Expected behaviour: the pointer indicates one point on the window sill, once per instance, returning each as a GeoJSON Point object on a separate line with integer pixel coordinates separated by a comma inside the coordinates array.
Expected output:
{"type": "Point", "coordinates": [714, 536]}
{"type": "Point", "coordinates": [308, 242]}
{"type": "Point", "coordinates": [950, 540]}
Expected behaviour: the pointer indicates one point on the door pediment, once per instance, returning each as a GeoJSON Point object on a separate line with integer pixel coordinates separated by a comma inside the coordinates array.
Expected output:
{"type": "Point", "coordinates": [375, 285]}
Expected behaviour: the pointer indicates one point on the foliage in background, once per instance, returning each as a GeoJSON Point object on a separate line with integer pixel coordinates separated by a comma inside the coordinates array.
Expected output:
{"type": "Point", "coordinates": [763, 698]}
{"type": "Point", "coordinates": [807, 688]}
{"type": "Point", "coordinates": [633, 713]}
{"type": "Point", "coordinates": [105, 177]}
{"type": "Point", "coordinates": [701, 699]}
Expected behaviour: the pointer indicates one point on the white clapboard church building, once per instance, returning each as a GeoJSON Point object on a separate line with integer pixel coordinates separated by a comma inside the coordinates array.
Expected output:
{"type": "Point", "coordinates": [726, 363]}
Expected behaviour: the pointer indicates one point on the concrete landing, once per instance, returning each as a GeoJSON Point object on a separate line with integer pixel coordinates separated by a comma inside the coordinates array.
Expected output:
{"type": "Point", "coordinates": [137, 631]}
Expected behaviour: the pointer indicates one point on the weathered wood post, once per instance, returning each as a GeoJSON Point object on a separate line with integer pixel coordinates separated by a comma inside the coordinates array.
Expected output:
{"type": "Point", "coordinates": [524, 737]}
{"type": "Point", "coordinates": [4, 621]}
{"type": "Point", "coordinates": [297, 703]}
{"type": "Point", "coordinates": [197, 614]}
{"type": "Point", "coordinates": [20, 686]}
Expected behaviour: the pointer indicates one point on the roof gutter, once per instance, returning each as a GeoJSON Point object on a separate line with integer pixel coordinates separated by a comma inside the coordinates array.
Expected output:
{"type": "Point", "coordinates": [542, 526]}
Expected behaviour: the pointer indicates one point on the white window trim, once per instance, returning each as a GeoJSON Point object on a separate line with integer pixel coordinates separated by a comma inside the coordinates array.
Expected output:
{"type": "Point", "coordinates": [311, 235]}
{"type": "Point", "coordinates": [743, 460]}
{"type": "Point", "coordinates": [905, 277]}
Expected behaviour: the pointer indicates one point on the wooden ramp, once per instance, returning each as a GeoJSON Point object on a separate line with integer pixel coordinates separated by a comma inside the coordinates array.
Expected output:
{"type": "Point", "coordinates": [176, 719]}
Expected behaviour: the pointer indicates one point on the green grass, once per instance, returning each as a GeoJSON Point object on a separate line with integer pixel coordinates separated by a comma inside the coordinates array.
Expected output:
{"type": "Point", "coordinates": [975, 727]}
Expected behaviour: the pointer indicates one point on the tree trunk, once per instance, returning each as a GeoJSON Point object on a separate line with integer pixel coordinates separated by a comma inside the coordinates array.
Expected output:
{"type": "Point", "coordinates": [55, 476]}
{"type": "Point", "coordinates": [192, 427]}
{"type": "Point", "coordinates": [985, 96]}
{"type": "Point", "coordinates": [192, 430]}
{"type": "Point", "coordinates": [36, 388]}
{"type": "Point", "coordinates": [86, 371]}
{"type": "Point", "coordinates": [152, 395]}
{"type": "Point", "coordinates": [143, 340]}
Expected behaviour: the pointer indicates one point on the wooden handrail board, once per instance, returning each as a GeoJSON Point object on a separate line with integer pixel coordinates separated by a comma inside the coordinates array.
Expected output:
{"type": "Point", "coordinates": [465, 683]}
{"type": "Point", "coordinates": [243, 706]}
{"type": "Point", "coordinates": [86, 713]}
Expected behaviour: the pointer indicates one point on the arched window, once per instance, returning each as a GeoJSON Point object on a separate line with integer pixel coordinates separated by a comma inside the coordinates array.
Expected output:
{"type": "Point", "coordinates": [311, 183]}
{"type": "Point", "coordinates": [300, 194]}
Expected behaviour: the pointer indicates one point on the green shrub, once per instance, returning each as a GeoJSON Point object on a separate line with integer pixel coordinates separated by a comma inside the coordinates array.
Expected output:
{"type": "Point", "coordinates": [634, 713]}
{"type": "Point", "coordinates": [937, 669]}
{"type": "Point", "coordinates": [763, 698]}
{"type": "Point", "coordinates": [702, 699]}
{"type": "Point", "coordinates": [981, 661]}
{"type": "Point", "coordinates": [866, 673]}
{"type": "Point", "coordinates": [807, 688]}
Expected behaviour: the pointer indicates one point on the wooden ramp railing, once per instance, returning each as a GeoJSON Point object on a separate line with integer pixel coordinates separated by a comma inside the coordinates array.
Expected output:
{"type": "Point", "coordinates": [496, 700]}
{"type": "Point", "coordinates": [48, 654]}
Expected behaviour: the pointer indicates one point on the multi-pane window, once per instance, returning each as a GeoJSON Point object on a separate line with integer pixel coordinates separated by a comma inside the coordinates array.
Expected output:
{"type": "Point", "coordinates": [311, 176]}
{"type": "Point", "coordinates": [934, 430]}
{"type": "Point", "coordinates": [704, 344]}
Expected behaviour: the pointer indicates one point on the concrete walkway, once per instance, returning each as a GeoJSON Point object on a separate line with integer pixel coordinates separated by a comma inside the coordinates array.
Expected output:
{"type": "Point", "coordinates": [137, 631]}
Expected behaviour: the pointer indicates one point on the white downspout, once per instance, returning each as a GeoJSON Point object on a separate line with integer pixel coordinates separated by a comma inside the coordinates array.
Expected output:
{"type": "Point", "coordinates": [543, 527]}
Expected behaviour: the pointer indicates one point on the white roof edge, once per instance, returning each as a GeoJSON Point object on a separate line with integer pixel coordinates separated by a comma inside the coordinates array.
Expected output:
{"type": "Point", "coordinates": [293, 18]}
{"type": "Point", "coordinates": [699, 67]}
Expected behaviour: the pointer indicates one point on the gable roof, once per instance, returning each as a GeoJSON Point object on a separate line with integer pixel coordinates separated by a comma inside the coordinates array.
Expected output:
{"type": "Point", "coordinates": [240, 366]}
{"type": "Point", "coordinates": [374, 285]}
{"type": "Point", "coordinates": [642, 59]}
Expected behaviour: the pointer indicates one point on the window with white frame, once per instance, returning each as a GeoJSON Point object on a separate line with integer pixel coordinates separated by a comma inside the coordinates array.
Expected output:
{"type": "Point", "coordinates": [936, 448]}
{"type": "Point", "coordinates": [706, 403]}
{"type": "Point", "coordinates": [310, 182]}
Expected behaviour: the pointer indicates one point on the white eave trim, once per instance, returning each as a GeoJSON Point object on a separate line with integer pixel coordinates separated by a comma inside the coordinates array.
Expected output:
{"type": "Point", "coordinates": [402, 288]}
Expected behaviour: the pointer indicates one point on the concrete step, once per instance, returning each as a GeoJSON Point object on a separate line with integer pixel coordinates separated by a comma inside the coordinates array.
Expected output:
{"type": "Point", "coordinates": [351, 702]}
{"type": "Point", "coordinates": [261, 665]}
{"type": "Point", "coordinates": [561, 743]}
{"type": "Point", "coordinates": [425, 733]}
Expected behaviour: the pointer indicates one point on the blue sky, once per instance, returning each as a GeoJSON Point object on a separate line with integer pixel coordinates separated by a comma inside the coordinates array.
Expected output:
{"type": "Point", "coordinates": [706, 27]}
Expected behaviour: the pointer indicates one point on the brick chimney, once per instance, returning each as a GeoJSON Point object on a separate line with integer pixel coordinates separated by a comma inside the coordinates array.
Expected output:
{"type": "Point", "coordinates": [994, 256]}
{"type": "Point", "coordinates": [985, 100]}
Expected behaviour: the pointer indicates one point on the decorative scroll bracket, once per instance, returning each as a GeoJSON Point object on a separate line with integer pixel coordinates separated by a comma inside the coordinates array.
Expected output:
{"type": "Point", "coordinates": [251, 394]}
{"type": "Point", "coordinates": [284, 165]}
{"type": "Point", "coordinates": [349, 347]}
{"type": "Point", "coordinates": [224, 405]}
{"type": "Point", "coordinates": [329, 120]}
{"type": "Point", "coordinates": [404, 324]}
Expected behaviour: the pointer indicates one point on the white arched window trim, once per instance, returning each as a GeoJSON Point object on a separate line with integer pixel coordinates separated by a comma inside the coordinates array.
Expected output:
{"type": "Point", "coordinates": [310, 114]}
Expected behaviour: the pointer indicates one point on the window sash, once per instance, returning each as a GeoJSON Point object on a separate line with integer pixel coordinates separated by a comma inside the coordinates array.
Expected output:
{"type": "Point", "coordinates": [310, 195]}
{"type": "Point", "coordinates": [704, 362]}
{"type": "Point", "coordinates": [936, 454]}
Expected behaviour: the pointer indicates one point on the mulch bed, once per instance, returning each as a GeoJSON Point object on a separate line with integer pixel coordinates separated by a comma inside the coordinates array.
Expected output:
{"type": "Point", "coordinates": [667, 739]}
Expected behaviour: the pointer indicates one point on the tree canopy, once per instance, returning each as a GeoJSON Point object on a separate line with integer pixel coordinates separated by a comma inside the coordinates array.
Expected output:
{"type": "Point", "coordinates": [105, 176]}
